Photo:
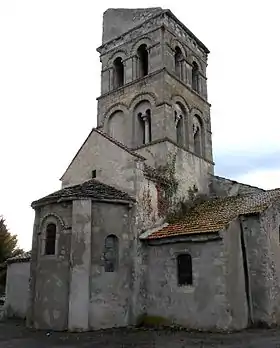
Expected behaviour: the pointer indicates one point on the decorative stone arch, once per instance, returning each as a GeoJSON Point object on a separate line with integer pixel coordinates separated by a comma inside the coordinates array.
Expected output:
{"type": "Point", "coordinates": [117, 124]}
{"type": "Point", "coordinates": [199, 139]}
{"type": "Point", "coordinates": [142, 109]}
{"type": "Point", "coordinates": [143, 41]}
{"type": "Point", "coordinates": [181, 100]}
{"type": "Point", "coordinates": [185, 122]}
{"type": "Point", "coordinates": [120, 53]}
{"type": "Point", "coordinates": [195, 111]}
{"type": "Point", "coordinates": [51, 218]}
{"type": "Point", "coordinates": [111, 110]}
{"type": "Point", "coordinates": [151, 97]}
{"type": "Point", "coordinates": [175, 43]}
{"type": "Point", "coordinates": [192, 59]}
{"type": "Point", "coordinates": [141, 57]}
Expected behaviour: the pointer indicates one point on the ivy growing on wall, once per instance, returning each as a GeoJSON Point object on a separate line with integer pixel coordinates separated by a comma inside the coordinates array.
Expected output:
{"type": "Point", "coordinates": [166, 183]}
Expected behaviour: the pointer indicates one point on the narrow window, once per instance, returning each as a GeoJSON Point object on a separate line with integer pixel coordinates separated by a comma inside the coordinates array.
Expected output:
{"type": "Point", "coordinates": [142, 53]}
{"type": "Point", "coordinates": [149, 133]}
{"type": "Point", "coordinates": [197, 136]}
{"type": "Point", "coordinates": [178, 124]}
{"type": "Point", "coordinates": [195, 77]}
{"type": "Point", "coordinates": [111, 253]}
{"type": "Point", "coordinates": [50, 239]}
{"type": "Point", "coordinates": [184, 269]}
{"type": "Point", "coordinates": [178, 61]}
{"type": "Point", "coordinates": [93, 174]}
{"type": "Point", "coordinates": [118, 72]}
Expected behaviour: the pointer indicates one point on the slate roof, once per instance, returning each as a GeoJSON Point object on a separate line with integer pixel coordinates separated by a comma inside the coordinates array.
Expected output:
{"type": "Point", "coordinates": [89, 189]}
{"type": "Point", "coordinates": [215, 214]}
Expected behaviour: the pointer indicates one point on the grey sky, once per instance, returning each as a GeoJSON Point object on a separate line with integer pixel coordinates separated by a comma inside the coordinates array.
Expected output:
{"type": "Point", "coordinates": [50, 78]}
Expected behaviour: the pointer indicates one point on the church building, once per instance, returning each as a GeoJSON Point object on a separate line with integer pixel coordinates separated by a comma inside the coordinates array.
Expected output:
{"type": "Point", "coordinates": [141, 229]}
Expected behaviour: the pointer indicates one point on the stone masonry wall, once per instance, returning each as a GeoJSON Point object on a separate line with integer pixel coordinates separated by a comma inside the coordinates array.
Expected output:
{"type": "Point", "coordinates": [203, 305]}
{"type": "Point", "coordinates": [220, 186]}
{"type": "Point", "coordinates": [262, 241]}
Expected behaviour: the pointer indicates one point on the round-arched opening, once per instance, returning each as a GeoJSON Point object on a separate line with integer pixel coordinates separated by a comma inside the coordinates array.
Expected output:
{"type": "Point", "coordinates": [178, 60]}
{"type": "Point", "coordinates": [142, 53]}
{"type": "Point", "coordinates": [195, 77]}
{"type": "Point", "coordinates": [118, 72]}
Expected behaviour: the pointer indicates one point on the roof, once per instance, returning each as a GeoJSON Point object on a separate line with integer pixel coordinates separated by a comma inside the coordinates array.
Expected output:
{"type": "Point", "coordinates": [25, 257]}
{"type": "Point", "coordinates": [215, 214]}
{"type": "Point", "coordinates": [89, 189]}
{"type": "Point", "coordinates": [108, 137]}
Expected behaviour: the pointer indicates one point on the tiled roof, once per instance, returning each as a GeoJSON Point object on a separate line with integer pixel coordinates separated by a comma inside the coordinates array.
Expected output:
{"type": "Point", "coordinates": [25, 257]}
{"type": "Point", "coordinates": [215, 214]}
{"type": "Point", "coordinates": [89, 189]}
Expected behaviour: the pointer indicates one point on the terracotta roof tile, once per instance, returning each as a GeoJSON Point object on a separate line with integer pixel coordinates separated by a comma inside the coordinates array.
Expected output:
{"type": "Point", "coordinates": [89, 189]}
{"type": "Point", "coordinates": [215, 214]}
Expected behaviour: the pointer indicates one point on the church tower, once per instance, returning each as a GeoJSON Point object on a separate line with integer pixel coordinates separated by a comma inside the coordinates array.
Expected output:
{"type": "Point", "coordinates": [153, 84]}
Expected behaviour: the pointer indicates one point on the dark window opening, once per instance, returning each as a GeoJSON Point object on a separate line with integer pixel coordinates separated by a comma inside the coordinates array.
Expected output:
{"type": "Point", "coordinates": [118, 73]}
{"type": "Point", "coordinates": [93, 174]}
{"type": "Point", "coordinates": [184, 269]}
{"type": "Point", "coordinates": [195, 77]}
{"type": "Point", "coordinates": [178, 61]}
{"type": "Point", "coordinates": [111, 253]}
{"type": "Point", "coordinates": [142, 127]}
{"type": "Point", "coordinates": [179, 130]}
{"type": "Point", "coordinates": [143, 60]}
{"type": "Point", "coordinates": [148, 113]}
{"type": "Point", "coordinates": [50, 239]}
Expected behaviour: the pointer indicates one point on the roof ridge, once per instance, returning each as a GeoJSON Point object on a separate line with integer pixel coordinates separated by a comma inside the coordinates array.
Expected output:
{"type": "Point", "coordinates": [91, 188]}
{"type": "Point", "coordinates": [118, 143]}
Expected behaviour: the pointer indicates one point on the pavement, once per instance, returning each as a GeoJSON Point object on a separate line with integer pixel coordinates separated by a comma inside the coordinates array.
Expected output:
{"type": "Point", "coordinates": [14, 334]}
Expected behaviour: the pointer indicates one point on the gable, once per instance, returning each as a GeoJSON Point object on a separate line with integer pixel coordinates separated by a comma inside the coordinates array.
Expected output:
{"type": "Point", "coordinates": [113, 162]}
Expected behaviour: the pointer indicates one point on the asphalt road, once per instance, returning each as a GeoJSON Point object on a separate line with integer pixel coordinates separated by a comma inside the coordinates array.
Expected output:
{"type": "Point", "coordinates": [13, 334]}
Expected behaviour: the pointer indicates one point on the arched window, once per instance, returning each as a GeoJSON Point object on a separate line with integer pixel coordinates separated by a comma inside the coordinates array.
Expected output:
{"type": "Point", "coordinates": [197, 136]}
{"type": "Point", "coordinates": [50, 240]}
{"type": "Point", "coordinates": [111, 253]}
{"type": "Point", "coordinates": [195, 77]}
{"type": "Point", "coordinates": [179, 128]}
{"type": "Point", "coordinates": [142, 115]}
{"type": "Point", "coordinates": [143, 60]}
{"type": "Point", "coordinates": [179, 123]}
{"type": "Point", "coordinates": [178, 57]}
{"type": "Point", "coordinates": [118, 72]}
{"type": "Point", "coordinates": [184, 269]}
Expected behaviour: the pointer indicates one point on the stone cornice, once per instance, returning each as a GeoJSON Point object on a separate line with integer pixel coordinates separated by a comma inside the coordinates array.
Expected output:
{"type": "Point", "coordinates": [130, 83]}
{"type": "Point", "coordinates": [145, 26]}
{"type": "Point", "coordinates": [175, 144]}
{"type": "Point", "coordinates": [186, 86]}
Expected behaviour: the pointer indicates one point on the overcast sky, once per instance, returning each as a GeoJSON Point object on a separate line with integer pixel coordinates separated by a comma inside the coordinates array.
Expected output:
{"type": "Point", "coordinates": [50, 78]}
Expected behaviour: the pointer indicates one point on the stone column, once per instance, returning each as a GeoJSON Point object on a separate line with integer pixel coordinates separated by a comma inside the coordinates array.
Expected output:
{"type": "Point", "coordinates": [128, 68]}
{"type": "Point", "coordinates": [80, 266]}
{"type": "Point", "coordinates": [146, 120]}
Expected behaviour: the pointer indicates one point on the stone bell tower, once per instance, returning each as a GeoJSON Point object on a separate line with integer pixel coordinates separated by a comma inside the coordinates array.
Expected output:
{"type": "Point", "coordinates": [154, 86]}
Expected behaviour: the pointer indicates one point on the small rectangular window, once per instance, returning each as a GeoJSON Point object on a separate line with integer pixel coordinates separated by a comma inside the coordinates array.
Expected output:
{"type": "Point", "coordinates": [184, 269]}
{"type": "Point", "coordinates": [93, 174]}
